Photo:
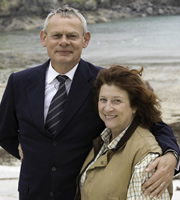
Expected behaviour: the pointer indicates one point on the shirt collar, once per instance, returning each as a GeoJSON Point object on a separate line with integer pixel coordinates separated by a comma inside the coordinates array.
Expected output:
{"type": "Point", "coordinates": [106, 135]}
{"type": "Point", "coordinates": [52, 74]}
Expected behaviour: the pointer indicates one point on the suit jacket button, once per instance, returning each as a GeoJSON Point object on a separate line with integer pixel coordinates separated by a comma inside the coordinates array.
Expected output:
{"type": "Point", "coordinates": [51, 194]}
{"type": "Point", "coordinates": [54, 143]}
{"type": "Point", "coordinates": [53, 169]}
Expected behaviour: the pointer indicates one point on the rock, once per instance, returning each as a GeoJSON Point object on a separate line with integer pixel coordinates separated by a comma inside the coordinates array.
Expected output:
{"type": "Point", "coordinates": [90, 5]}
{"type": "Point", "coordinates": [25, 23]}
{"type": "Point", "coordinates": [30, 14]}
{"type": "Point", "coordinates": [178, 188]}
{"type": "Point", "coordinates": [160, 11]}
{"type": "Point", "coordinates": [149, 10]}
{"type": "Point", "coordinates": [104, 3]}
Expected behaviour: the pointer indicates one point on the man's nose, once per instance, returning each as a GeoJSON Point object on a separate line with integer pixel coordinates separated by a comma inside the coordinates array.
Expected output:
{"type": "Point", "coordinates": [63, 40]}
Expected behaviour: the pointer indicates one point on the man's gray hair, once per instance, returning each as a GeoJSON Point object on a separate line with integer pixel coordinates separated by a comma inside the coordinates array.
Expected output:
{"type": "Point", "coordinates": [66, 11]}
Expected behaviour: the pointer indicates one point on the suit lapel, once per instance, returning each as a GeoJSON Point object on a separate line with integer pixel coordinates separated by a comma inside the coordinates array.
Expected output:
{"type": "Point", "coordinates": [35, 92]}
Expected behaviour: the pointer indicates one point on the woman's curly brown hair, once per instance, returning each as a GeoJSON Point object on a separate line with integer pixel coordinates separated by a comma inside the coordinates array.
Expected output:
{"type": "Point", "coordinates": [142, 98]}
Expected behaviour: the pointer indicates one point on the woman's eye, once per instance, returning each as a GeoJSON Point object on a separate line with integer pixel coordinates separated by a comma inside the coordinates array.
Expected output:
{"type": "Point", "coordinates": [102, 100]}
{"type": "Point", "coordinates": [117, 101]}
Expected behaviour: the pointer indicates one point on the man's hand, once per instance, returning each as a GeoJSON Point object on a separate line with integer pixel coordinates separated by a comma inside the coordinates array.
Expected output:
{"type": "Point", "coordinates": [20, 152]}
{"type": "Point", "coordinates": [165, 166]}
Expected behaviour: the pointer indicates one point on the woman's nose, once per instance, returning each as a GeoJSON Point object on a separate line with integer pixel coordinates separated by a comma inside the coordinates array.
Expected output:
{"type": "Point", "coordinates": [108, 107]}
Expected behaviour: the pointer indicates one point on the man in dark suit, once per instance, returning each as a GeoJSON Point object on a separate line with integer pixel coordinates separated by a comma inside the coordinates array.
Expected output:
{"type": "Point", "coordinates": [52, 161]}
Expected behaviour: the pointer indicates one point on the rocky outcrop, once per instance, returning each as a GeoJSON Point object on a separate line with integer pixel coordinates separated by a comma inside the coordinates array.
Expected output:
{"type": "Point", "coordinates": [29, 14]}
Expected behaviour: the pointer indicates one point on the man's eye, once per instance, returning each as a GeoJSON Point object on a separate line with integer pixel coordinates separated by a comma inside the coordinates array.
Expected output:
{"type": "Point", "coordinates": [56, 36]}
{"type": "Point", "coordinates": [72, 36]}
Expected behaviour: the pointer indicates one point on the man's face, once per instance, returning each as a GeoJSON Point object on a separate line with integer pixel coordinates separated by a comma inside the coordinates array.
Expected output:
{"type": "Point", "coordinates": [64, 40]}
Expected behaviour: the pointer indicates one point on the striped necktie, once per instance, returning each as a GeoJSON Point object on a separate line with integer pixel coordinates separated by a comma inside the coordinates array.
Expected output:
{"type": "Point", "coordinates": [56, 107]}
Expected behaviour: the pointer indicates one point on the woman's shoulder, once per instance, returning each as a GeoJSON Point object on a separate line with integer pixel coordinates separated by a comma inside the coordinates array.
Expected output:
{"type": "Point", "coordinates": [144, 135]}
{"type": "Point", "coordinates": [144, 139]}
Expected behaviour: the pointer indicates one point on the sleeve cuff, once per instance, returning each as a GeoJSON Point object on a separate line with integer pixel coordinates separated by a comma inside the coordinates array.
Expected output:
{"type": "Point", "coordinates": [176, 156]}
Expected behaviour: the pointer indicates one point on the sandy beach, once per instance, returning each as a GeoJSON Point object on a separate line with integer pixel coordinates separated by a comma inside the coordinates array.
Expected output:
{"type": "Point", "coordinates": [166, 84]}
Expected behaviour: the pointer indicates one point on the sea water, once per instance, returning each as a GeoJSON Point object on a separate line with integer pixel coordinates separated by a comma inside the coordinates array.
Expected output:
{"type": "Point", "coordinates": [149, 41]}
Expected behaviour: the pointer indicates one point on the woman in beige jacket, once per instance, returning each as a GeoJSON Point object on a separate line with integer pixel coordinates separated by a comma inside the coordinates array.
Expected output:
{"type": "Point", "coordinates": [115, 167]}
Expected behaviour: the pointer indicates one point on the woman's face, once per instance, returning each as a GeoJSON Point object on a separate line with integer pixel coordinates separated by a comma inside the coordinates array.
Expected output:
{"type": "Point", "coordinates": [114, 108]}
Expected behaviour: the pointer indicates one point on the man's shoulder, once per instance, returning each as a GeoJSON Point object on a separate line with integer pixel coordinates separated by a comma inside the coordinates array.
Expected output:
{"type": "Point", "coordinates": [33, 73]}
{"type": "Point", "coordinates": [33, 70]}
{"type": "Point", "coordinates": [89, 66]}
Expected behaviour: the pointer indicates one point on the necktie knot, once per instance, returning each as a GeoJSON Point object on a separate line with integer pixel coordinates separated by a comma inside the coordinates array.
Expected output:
{"type": "Point", "coordinates": [62, 78]}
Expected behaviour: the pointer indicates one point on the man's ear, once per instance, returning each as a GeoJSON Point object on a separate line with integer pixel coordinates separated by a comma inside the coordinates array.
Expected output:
{"type": "Point", "coordinates": [87, 38]}
{"type": "Point", "coordinates": [43, 37]}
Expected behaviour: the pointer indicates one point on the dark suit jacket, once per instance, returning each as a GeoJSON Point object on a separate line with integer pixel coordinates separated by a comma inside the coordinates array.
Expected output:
{"type": "Point", "coordinates": [51, 163]}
